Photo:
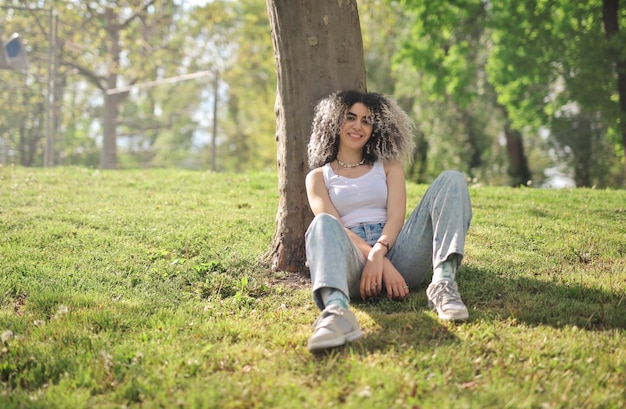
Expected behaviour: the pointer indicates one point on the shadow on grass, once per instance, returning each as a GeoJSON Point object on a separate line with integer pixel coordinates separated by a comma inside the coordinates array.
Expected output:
{"type": "Point", "coordinates": [409, 324]}
{"type": "Point", "coordinates": [396, 325]}
{"type": "Point", "coordinates": [539, 302]}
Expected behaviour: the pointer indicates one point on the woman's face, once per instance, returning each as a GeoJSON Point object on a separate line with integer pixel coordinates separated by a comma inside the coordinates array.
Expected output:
{"type": "Point", "coordinates": [357, 127]}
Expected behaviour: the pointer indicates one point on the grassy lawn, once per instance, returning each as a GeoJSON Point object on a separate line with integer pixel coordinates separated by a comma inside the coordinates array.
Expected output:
{"type": "Point", "coordinates": [144, 288]}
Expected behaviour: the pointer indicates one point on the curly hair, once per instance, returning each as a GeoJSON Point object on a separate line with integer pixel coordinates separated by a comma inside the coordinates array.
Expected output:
{"type": "Point", "coordinates": [391, 128]}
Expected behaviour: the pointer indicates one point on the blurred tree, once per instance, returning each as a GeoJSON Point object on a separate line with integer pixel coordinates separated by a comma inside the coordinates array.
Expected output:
{"type": "Point", "coordinates": [166, 124]}
{"type": "Point", "coordinates": [76, 143]}
{"type": "Point", "coordinates": [448, 44]}
{"type": "Point", "coordinates": [22, 122]}
{"type": "Point", "coordinates": [448, 134]}
{"type": "Point", "coordinates": [24, 92]}
{"type": "Point", "coordinates": [552, 66]}
{"type": "Point", "coordinates": [542, 59]}
{"type": "Point", "coordinates": [115, 43]}
{"type": "Point", "coordinates": [247, 70]}
{"type": "Point", "coordinates": [614, 20]}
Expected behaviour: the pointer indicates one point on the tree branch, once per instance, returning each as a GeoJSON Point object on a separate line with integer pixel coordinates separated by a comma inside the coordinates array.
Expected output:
{"type": "Point", "coordinates": [90, 75]}
{"type": "Point", "coordinates": [137, 13]}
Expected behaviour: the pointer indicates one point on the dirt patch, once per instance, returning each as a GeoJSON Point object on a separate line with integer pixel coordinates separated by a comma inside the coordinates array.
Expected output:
{"type": "Point", "coordinates": [19, 304]}
{"type": "Point", "coordinates": [295, 281]}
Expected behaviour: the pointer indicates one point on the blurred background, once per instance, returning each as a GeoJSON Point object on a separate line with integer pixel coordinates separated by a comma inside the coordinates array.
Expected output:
{"type": "Point", "coordinates": [508, 92]}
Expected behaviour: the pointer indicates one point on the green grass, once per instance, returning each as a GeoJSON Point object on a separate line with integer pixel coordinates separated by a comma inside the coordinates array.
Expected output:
{"type": "Point", "coordinates": [144, 288]}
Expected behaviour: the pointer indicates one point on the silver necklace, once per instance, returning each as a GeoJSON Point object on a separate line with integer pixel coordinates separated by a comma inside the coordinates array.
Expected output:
{"type": "Point", "coordinates": [350, 165]}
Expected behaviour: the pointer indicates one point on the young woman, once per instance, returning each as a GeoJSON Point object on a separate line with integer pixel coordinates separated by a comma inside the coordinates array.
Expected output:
{"type": "Point", "coordinates": [358, 245]}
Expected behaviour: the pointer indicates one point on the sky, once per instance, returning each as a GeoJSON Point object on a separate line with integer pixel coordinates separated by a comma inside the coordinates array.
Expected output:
{"type": "Point", "coordinates": [191, 3]}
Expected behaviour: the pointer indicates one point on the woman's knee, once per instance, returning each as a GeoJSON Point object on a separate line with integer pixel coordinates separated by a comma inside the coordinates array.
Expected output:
{"type": "Point", "coordinates": [453, 176]}
{"type": "Point", "coordinates": [323, 222]}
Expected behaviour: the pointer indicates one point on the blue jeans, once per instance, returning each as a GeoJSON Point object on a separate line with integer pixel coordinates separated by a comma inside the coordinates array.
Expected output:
{"type": "Point", "coordinates": [435, 230]}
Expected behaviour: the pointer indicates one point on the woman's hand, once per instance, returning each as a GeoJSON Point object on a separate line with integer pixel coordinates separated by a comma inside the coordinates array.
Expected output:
{"type": "Point", "coordinates": [394, 282]}
{"type": "Point", "coordinates": [378, 270]}
{"type": "Point", "coordinates": [372, 275]}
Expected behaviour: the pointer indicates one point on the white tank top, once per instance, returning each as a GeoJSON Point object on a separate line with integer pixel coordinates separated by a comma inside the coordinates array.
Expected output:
{"type": "Point", "coordinates": [361, 200]}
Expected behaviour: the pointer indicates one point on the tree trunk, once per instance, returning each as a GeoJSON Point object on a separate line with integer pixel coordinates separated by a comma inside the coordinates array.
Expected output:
{"type": "Point", "coordinates": [519, 173]}
{"type": "Point", "coordinates": [417, 170]}
{"type": "Point", "coordinates": [474, 152]}
{"type": "Point", "coordinates": [318, 49]}
{"type": "Point", "coordinates": [108, 159]}
{"type": "Point", "coordinates": [581, 140]}
{"type": "Point", "coordinates": [610, 17]}
{"type": "Point", "coordinates": [57, 116]}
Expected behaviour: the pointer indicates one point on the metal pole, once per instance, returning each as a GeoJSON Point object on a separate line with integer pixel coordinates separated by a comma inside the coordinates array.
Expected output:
{"type": "Point", "coordinates": [150, 84]}
{"type": "Point", "coordinates": [55, 103]}
{"type": "Point", "coordinates": [48, 154]}
{"type": "Point", "coordinates": [214, 137]}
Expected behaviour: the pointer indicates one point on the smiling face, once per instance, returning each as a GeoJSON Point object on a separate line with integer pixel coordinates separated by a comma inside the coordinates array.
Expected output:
{"type": "Point", "coordinates": [357, 128]}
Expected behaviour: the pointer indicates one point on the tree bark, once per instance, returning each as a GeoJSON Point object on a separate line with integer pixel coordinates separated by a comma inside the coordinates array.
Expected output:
{"type": "Point", "coordinates": [519, 173]}
{"type": "Point", "coordinates": [108, 158]}
{"type": "Point", "coordinates": [112, 102]}
{"type": "Point", "coordinates": [318, 49]}
{"type": "Point", "coordinates": [610, 18]}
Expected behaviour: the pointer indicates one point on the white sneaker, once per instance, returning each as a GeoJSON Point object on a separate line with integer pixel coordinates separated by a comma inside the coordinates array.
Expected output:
{"type": "Point", "coordinates": [333, 328]}
{"type": "Point", "coordinates": [444, 297]}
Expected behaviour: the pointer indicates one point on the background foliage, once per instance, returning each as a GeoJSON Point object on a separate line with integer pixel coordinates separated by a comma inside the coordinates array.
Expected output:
{"type": "Point", "coordinates": [506, 92]}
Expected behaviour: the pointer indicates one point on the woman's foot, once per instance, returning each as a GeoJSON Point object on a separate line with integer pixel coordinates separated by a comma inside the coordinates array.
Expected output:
{"type": "Point", "coordinates": [334, 327]}
{"type": "Point", "coordinates": [444, 297]}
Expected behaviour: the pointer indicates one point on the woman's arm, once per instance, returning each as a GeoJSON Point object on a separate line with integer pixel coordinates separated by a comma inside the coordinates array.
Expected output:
{"type": "Point", "coordinates": [396, 202]}
{"type": "Point", "coordinates": [378, 268]}
{"type": "Point", "coordinates": [316, 192]}
{"type": "Point", "coordinates": [320, 202]}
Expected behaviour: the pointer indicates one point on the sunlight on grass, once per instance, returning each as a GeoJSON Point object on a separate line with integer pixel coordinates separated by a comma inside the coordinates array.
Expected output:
{"type": "Point", "coordinates": [144, 288]}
